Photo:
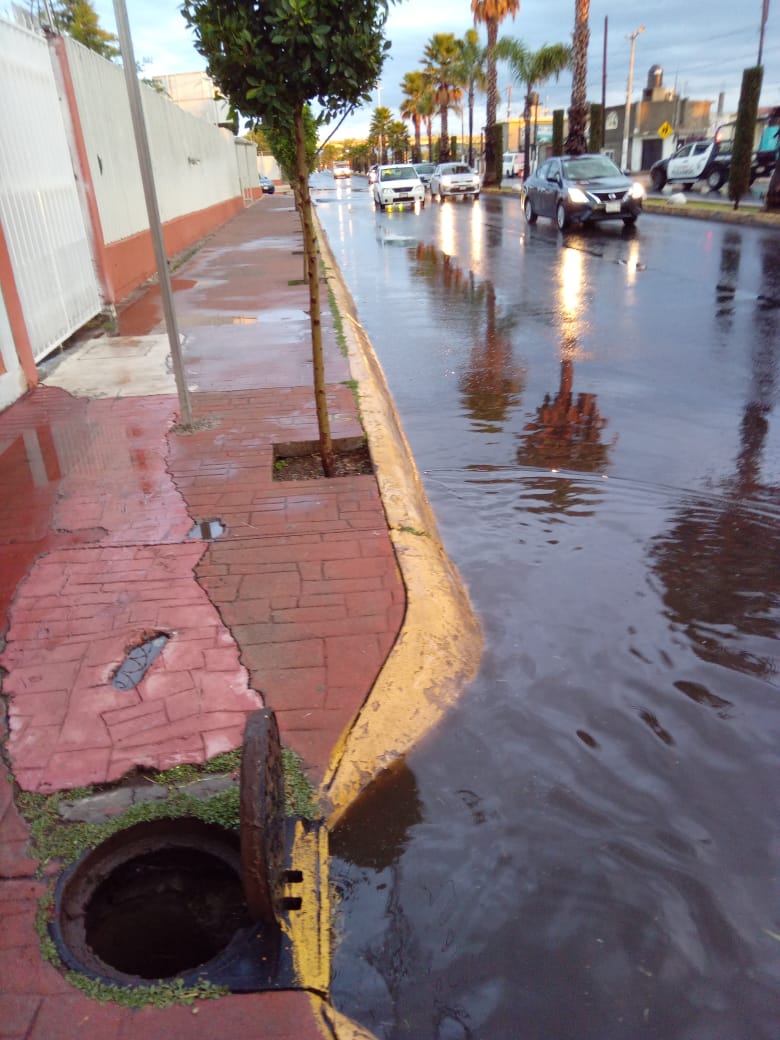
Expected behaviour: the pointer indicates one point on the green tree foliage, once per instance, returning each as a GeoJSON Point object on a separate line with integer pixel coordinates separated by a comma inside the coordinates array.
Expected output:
{"type": "Point", "coordinates": [442, 56]}
{"type": "Point", "coordinates": [379, 131]}
{"type": "Point", "coordinates": [416, 105]}
{"type": "Point", "coordinates": [742, 153]}
{"type": "Point", "coordinates": [79, 19]}
{"type": "Point", "coordinates": [577, 141]}
{"type": "Point", "coordinates": [273, 57]}
{"type": "Point", "coordinates": [532, 68]}
{"type": "Point", "coordinates": [281, 143]}
{"type": "Point", "coordinates": [398, 140]}
{"type": "Point", "coordinates": [557, 131]}
{"type": "Point", "coordinates": [596, 129]}
{"type": "Point", "coordinates": [491, 13]}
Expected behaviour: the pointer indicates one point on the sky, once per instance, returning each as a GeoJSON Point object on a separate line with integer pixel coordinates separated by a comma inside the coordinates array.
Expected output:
{"type": "Point", "coordinates": [701, 47]}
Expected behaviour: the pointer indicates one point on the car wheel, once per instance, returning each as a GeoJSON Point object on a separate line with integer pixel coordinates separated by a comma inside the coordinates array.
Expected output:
{"type": "Point", "coordinates": [528, 209]}
{"type": "Point", "coordinates": [658, 179]}
{"type": "Point", "coordinates": [475, 196]}
{"type": "Point", "coordinates": [687, 186]}
{"type": "Point", "coordinates": [630, 221]}
{"type": "Point", "coordinates": [715, 179]}
{"type": "Point", "coordinates": [561, 217]}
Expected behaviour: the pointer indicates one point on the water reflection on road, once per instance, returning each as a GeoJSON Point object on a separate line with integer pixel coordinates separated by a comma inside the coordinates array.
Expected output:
{"type": "Point", "coordinates": [589, 846]}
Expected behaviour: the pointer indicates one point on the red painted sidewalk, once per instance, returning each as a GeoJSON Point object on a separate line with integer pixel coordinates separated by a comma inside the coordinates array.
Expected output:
{"type": "Point", "coordinates": [295, 605]}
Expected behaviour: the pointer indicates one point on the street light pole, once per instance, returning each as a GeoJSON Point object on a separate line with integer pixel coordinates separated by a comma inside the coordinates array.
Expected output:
{"type": "Point", "coordinates": [627, 119]}
{"type": "Point", "coordinates": [152, 208]}
{"type": "Point", "coordinates": [764, 16]}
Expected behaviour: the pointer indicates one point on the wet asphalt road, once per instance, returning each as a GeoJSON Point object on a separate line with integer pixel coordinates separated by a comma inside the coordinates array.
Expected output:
{"type": "Point", "coordinates": [589, 847]}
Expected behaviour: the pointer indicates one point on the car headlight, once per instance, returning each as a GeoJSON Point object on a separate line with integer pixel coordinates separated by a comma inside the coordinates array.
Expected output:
{"type": "Point", "coordinates": [637, 191]}
{"type": "Point", "coordinates": [577, 195]}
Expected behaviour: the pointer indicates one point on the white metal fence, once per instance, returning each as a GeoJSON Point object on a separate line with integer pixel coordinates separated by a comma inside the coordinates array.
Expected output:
{"type": "Point", "coordinates": [39, 203]}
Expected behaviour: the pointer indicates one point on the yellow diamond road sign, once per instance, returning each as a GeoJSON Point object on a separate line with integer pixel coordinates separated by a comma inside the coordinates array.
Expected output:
{"type": "Point", "coordinates": [664, 130]}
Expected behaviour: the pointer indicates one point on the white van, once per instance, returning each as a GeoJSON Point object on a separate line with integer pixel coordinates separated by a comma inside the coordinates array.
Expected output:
{"type": "Point", "coordinates": [512, 164]}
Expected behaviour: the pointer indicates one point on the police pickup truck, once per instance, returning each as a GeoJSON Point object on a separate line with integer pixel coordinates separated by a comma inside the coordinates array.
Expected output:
{"type": "Point", "coordinates": [710, 160]}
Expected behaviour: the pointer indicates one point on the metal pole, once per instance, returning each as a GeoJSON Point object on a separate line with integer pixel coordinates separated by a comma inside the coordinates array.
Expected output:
{"type": "Point", "coordinates": [604, 85]}
{"type": "Point", "coordinates": [764, 16]}
{"type": "Point", "coordinates": [627, 120]}
{"type": "Point", "coordinates": [152, 208]}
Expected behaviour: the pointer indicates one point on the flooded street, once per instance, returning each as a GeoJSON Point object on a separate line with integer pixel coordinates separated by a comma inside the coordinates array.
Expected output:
{"type": "Point", "coordinates": [589, 847]}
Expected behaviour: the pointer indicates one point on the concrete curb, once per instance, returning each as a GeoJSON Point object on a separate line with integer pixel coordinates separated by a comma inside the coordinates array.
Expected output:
{"type": "Point", "coordinates": [440, 644]}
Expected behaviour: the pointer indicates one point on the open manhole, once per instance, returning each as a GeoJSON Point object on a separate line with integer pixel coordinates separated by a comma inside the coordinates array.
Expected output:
{"type": "Point", "coordinates": [160, 900]}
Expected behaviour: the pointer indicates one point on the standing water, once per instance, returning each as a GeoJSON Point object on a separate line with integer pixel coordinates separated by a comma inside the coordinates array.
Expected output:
{"type": "Point", "coordinates": [588, 847]}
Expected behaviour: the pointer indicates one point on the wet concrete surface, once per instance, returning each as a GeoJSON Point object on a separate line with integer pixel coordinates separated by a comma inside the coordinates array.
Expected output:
{"type": "Point", "coordinates": [588, 847]}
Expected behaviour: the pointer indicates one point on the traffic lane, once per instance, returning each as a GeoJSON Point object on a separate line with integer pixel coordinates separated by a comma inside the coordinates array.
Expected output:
{"type": "Point", "coordinates": [657, 322]}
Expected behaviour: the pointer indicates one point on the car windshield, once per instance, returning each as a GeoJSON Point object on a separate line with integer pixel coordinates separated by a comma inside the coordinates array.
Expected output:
{"type": "Point", "coordinates": [587, 167]}
{"type": "Point", "coordinates": [455, 168]}
{"type": "Point", "coordinates": [398, 173]}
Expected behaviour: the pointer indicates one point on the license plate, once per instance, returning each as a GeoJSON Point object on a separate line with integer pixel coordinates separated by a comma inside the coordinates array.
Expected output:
{"type": "Point", "coordinates": [612, 207]}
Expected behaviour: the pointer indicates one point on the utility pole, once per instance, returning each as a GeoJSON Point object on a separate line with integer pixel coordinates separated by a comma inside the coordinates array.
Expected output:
{"type": "Point", "coordinates": [604, 85]}
{"type": "Point", "coordinates": [627, 119]}
{"type": "Point", "coordinates": [764, 16]}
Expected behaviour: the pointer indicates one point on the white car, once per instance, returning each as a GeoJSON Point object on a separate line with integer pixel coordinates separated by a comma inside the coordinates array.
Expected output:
{"type": "Point", "coordinates": [454, 179]}
{"type": "Point", "coordinates": [398, 185]}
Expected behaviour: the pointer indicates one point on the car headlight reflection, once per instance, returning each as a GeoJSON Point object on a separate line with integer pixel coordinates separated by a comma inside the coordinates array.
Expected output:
{"type": "Point", "coordinates": [577, 195]}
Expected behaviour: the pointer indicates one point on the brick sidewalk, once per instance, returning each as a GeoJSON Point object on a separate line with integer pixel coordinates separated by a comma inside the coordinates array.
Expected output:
{"type": "Point", "coordinates": [295, 605]}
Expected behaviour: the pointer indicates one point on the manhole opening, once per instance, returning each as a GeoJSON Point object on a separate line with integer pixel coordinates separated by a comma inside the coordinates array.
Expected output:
{"type": "Point", "coordinates": [207, 529]}
{"type": "Point", "coordinates": [138, 661]}
{"type": "Point", "coordinates": [165, 912]}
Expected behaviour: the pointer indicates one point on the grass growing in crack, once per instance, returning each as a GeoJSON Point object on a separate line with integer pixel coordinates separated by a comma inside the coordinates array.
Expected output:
{"type": "Point", "coordinates": [413, 530]}
{"type": "Point", "coordinates": [353, 386]}
{"type": "Point", "coordinates": [52, 838]}
{"type": "Point", "coordinates": [338, 323]}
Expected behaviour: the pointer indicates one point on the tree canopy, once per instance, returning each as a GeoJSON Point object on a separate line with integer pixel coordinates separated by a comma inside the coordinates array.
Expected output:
{"type": "Point", "coordinates": [273, 56]}
{"type": "Point", "coordinates": [79, 19]}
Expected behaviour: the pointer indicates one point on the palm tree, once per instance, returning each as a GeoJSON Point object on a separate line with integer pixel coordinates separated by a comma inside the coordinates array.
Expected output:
{"type": "Point", "coordinates": [441, 54]}
{"type": "Point", "coordinates": [379, 128]}
{"type": "Point", "coordinates": [577, 140]}
{"type": "Point", "coordinates": [472, 75]}
{"type": "Point", "coordinates": [532, 68]}
{"type": "Point", "coordinates": [415, 89]}
{"type": "Point", "coordinates": [491, 13]}
{"type": "Point", "coordinates": [398, 140]}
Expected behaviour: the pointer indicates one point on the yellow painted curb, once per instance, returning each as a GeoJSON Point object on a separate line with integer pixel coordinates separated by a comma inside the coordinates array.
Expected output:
{"type": "Point", "coordinates": [440, 644]}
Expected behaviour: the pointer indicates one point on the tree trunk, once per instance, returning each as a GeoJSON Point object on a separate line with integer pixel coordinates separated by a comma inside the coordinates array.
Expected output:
{"type": "Point", "coordinates": [444, 147]}
{"type": "Point", "coordinates": [313, 280]}
{"type": "Point", "coordinates": [577, 141]}
{"type": "Point", "coordinates": [417, 146]}
{"type": "Point", "coordinates": [772, 201]}
{"type": "Point", "coordinates": [492, 102]}
{"type": "Point", "coordinates": [471, 124]}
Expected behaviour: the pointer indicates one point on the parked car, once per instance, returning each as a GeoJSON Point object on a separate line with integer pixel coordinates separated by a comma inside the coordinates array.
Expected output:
{"type": "Point", "coordinates": [424, 171]}
{"type": "Point", "coordinates": [398, 185]}
{"type": "Point", "coordinates": [267, 185]}
{"type": "Point", "coordinates": [581, 189]}
{"type": "Point", "coordinates": [454, 179]}
{"type": "Point", "coordinates": [512, 164]}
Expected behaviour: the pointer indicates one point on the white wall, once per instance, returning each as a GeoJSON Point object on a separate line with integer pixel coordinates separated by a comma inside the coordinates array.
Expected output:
{"type": "Point", "coordinates": [193, 161]}
{"type": "Point", "coordinates": [12, 382]}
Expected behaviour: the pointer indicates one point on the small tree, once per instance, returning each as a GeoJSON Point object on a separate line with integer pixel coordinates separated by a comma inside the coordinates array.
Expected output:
{"type": "Point", "coordinates": [744, 131]}
{"type": "Point", "coordinates": [557, 131]}
{"type": "Point", "coordinates": [595, 132]}
{"type": "Point", "coordinates": [271, 59]}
